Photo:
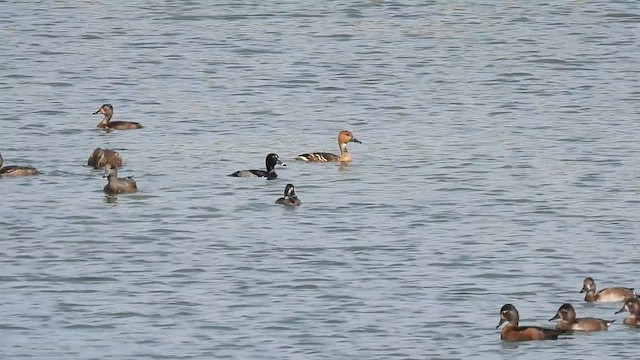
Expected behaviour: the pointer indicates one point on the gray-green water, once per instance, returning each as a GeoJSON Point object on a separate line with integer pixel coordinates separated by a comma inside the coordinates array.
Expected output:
{"type": "Point", "coordinates": [500, 163]}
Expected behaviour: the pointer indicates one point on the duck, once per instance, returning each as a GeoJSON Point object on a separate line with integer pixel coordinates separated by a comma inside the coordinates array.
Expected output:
{"type": "Point", "coordinates": [344, 137]}
{"type": "Point", "coordinates": [290, 198]}
{"type": "Point", "coordinates": [117, 185]}
{"type": "Point", "coordinates": [106, 123]}
{"type": "Point", "coordinates": [614, 294]}
{"type": "Point", "coordinates": [568, 321]}
{"type": "Point", "coordinates": [101, 157]}
{"type": "Point", "coordinates": [271, 161]}
{"type": "Point", "coordinates": [513, 332]}
{"type": "Point", "coordinates": [633, 307]}
{"type": "Point", "coordinates": [16, 170]}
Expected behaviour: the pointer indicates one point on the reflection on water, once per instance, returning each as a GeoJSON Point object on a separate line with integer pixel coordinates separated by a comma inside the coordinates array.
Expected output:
{"type": "Point", "coordinates": [110, 199]}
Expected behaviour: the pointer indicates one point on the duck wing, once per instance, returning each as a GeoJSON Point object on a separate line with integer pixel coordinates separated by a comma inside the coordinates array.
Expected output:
{"type": "Point", "coordinates": [318, 157]}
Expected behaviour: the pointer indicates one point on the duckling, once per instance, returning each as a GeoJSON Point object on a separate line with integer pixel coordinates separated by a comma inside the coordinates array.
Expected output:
{"type": "Point", "coordinates": [271, 161]}
{"type": "Point", "coordinates": [569, 322]}
{"type": "Point", "coordinates": [117, 185]}
{"type": "Point", "coordinates": [106, 123]}
{"type": "Point", "coordinates": [614, 294]}
{"type": "Point", "coordinates": [16, 170]}
{"type": "Point", "coordinates": [513, 332]}
{"type": "Point", "coordinates": [290, 198]}
{"type": "Point", "coordinates": [344, 137]}
{"type": "Point", "coordinates": [102, 157]}
{"type": "Point", "coordinates": [633, 307]}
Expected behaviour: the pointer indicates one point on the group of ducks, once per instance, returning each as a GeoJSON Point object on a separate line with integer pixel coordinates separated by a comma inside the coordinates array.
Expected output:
{"type": "Point", "coordinates": [567, 315]}
{"type": "Point", "coordinates": [111, 160]}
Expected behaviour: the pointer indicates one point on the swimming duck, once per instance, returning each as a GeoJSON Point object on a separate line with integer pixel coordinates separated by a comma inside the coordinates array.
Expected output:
{"type": "Point", "coordinates": [344, 137]}
{"type": "Point", "coordinates": [106, 123]}
{"type": "Point", "coordinates": [117, 185]}
{"type": "Point", "coordinates": [633, 307]}
{"type": "Point", "coordinates": [16, 170]}
{"type": "Point", "coordinates": [290, 198]}
{"type": "Point", "coordinates": [271, 161]}
{"type": "Point", "coordinates": [102, 157]}
{"type": "Point", "coordinates": [569, 322]}
{"type": "Point", "coordinates": [614, 294]}
{"type": "Point", "coordinates": [513, 332]}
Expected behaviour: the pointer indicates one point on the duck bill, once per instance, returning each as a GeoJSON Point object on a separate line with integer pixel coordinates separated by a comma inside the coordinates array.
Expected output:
{"type": "Point", "coordinates": [279, 162]}
{"type": "Point", "coordinates": [356, 140]}
{"type": "Point", "coordinates": [97, 112]}
{"type": "Point", "coordinates": [500, 323]}
{"type": "Point", "coordinates": [620, 311]}
{"type": "Point", "coordinates": [584, 289]}
{"type": "Point", "coordinates": [555, 317]}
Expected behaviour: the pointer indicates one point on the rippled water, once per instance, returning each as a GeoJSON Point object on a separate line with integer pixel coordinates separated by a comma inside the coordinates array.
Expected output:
{"type": "Point", "coordinates": [500, 163]}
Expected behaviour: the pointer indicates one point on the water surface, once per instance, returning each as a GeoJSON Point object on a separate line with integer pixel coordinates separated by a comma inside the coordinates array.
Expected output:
{"type": "Point", "coordinates": [499, 164]}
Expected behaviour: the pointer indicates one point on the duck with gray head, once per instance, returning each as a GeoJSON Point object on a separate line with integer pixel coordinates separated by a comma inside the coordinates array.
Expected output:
{"type": "Point", "coordinates": [117, 185]}
{"type": "Point", "coordinates": [101, 157]}
{"type": "Point", "coordinates": [16, 170]}
{"type": "Point", "coordinates": [614, 294]}
{"type": "Point", "coordinates": [568, 321]}
{"type": "Point", "coordinates": [633, 307]}
{"type": "Point", "coordinates": [106, 123]}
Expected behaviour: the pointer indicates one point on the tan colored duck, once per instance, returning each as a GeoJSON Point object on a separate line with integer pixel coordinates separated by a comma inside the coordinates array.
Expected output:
{"type": "Point", "coordinates": [344, 137]}
{"type": "Point", "coordinates": [568, 321]}
{"type": "Point", "coordinates": [16, 170]}
{"type": "Point", "coordinates": [117, 185]}
{"type": "Point", "coordinates": [614, 294]}
{"type": "Point", "coordinates": [513, 332]}
{"type": "Point", "coordinates": [101, 157]}
{"type": "Point", "coordinates": [106, 123]}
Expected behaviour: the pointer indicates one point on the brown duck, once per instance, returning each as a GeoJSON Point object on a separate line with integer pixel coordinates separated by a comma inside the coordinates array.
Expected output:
{"type": "Point", "coordinates": [568, 321]}
{"type": "Point", "coordinates": [101, 157]}
{"type": "Point", "coordinates": [614, 294]}
{"type": "Point", "coordinates": [16, 170]}
{"type": "Point", "coordinates": [106, 123]}
{"type": "Point", "coordinates": [117, 185]}
{"type": "Point", "coordinates": [633, 307]}
{"type": "Point", "coordinates": [513, 332]}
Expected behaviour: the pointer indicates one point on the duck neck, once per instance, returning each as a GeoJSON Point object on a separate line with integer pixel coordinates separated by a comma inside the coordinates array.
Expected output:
{"type": "Point", "coordinates": [343, 147]}
{"type": "Point", "coordinates": [112, 177]}
{"type": "Point", "coordinates": [106, 118]}
{"type": "Point", "coordinates": [571, 317]}
{"type": "Point", "coordinates": [590, 295]}
{"type": "Point", "coordinates": [563, 325]}
{"type": "Point", "coordinates": [344, 152]}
